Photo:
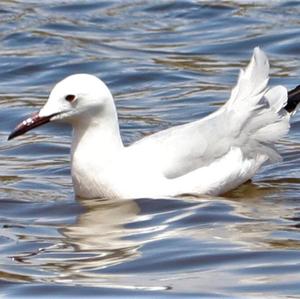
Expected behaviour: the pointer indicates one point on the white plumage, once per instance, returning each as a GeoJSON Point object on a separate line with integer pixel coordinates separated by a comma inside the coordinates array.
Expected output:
{"type": "Point", "coordinates": [209, 156]}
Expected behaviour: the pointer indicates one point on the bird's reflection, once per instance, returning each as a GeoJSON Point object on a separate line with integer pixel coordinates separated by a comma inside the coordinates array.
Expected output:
{"type": "Point", "coordinates": [99, 236]}
{"type": "Point", "coordinates": [104, 244]}
{"type": "Point", "coordinates": [85, 252]}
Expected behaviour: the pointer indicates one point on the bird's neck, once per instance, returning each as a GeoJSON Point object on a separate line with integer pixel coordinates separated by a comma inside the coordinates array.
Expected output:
{"type": "Point", "coordinates": [96, 141]}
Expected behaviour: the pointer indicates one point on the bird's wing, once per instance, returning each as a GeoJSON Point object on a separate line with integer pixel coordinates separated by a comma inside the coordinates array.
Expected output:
{"type": "Point", "coordinates": [182, 149]}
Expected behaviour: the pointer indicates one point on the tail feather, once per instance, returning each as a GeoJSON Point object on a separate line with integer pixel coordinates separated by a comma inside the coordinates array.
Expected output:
{"type": "Point", "coordinates": [247, 96]}
{"type": "Point", "coordinates": [276, 98]}
{"type": "Point", "coordinates": [260, 115]}
{"type": "Point", "coordinates": [257, 111]}
{"type": "Point", "coordinates": [251, 85]}
{"type": "Point", "coordinates": [293, 100]}
{"type": "Point", "coordinates": [270, 123]}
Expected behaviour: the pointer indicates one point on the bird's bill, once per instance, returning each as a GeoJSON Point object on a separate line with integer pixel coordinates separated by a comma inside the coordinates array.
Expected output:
{"type": "Point", "coordinates": [30, 123]}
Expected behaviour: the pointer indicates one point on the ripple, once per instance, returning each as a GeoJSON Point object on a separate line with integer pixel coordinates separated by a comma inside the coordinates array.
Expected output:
{"type": "Point", "coordinates": [166, 63]}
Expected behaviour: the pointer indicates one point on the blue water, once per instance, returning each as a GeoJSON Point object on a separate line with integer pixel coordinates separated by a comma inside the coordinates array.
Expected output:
{"type": "Point", "coordinates": [166, 63]}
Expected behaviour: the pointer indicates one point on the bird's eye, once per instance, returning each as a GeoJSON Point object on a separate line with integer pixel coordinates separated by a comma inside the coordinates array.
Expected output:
{"type": "Point", "coordinates": [70, 97]}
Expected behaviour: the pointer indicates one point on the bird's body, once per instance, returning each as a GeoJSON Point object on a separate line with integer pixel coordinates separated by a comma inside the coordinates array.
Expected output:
{"type": "Point", "coordinates": [160, 165]}
{"type": "Point", "coordinates": [209, 156]}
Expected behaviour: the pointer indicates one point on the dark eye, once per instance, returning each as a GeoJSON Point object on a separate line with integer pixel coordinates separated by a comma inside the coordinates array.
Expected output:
{"type": "Point", "coordinates": [70, 97]}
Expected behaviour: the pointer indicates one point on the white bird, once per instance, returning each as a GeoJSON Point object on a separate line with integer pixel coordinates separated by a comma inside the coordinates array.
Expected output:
{"type": "Point", "coordinates": [210, 156]}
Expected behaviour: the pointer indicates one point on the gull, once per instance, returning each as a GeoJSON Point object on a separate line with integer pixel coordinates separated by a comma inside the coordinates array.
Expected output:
{"type": "Point", "coordinates": [210, 156]}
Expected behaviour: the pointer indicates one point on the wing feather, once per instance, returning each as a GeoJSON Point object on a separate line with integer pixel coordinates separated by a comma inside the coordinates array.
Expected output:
{"type": "Point", "coordinates": [251, 120]}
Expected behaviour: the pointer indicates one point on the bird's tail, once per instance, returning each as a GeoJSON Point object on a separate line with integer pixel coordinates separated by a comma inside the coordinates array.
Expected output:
{"type": "Point", "coordinates": [260, 115]}
{"type": "Point", "coordinates": [293, 100]}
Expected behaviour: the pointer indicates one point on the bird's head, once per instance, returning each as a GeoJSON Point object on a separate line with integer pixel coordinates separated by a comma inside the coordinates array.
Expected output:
{"type": "Point", "coordinates": [77, 98]}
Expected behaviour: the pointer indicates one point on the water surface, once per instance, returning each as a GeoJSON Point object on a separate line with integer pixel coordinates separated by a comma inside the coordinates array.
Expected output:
{"type": "Point", "coordinates": [167, 63]}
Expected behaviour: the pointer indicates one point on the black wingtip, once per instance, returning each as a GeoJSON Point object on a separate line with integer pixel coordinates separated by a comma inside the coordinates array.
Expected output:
{"type": "Point", "coordinates": [293, 99]}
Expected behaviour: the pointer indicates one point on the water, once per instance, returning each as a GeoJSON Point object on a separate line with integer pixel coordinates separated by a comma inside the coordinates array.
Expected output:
{"type": "Point", "coordinates": [166, 63]}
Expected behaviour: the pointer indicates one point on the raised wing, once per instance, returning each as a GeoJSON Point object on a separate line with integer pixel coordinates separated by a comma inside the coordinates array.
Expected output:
{"type": "Point", "coordinates": [241, 122]}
